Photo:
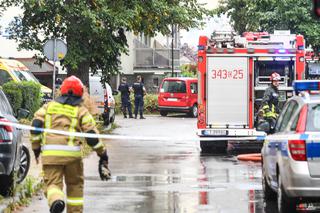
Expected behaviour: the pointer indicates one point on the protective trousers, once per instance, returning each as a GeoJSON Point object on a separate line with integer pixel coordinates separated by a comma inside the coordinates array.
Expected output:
{"type": "Point", "coordinates": [138, 105]}
{"type": "Point", "coordinates": [73, 176]}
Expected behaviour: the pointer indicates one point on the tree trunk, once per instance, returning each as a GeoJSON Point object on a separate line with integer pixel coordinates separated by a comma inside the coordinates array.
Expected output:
{"type": "Point", "coordinates": [82, 72]}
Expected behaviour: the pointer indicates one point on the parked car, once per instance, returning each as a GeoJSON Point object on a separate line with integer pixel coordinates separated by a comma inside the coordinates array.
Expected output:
{"type": "Point", "coordinates": [103, 96]}
{"type": "Point", "coordinates": [290, 165]}
{"type": "Point", "coordinates": [178, 95]}
{"type": "Point", "coordinates": [13, 70]}
{"type": "Point", "coordinates": [14, 156]}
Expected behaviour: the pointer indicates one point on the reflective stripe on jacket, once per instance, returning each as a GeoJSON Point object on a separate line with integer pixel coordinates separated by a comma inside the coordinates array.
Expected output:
{"type": "Point", "coordinates": [60, 149]}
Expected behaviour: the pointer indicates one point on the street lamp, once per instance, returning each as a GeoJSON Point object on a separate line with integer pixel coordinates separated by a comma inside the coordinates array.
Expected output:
{"type": "Point", "coordinates": [172, 55]}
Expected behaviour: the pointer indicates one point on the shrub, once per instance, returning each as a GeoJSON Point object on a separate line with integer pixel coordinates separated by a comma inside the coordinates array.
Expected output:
{"type": "Point", "coordinates": [150, 103]}
{"type": "Point", "coordinates": [13, 92]}
{"type": "Point", "coordinates": [26, 95]}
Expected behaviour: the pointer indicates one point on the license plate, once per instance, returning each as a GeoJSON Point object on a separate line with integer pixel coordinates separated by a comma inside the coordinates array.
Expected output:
{"type": "Point", "coordinates": [172, 99]}
{"type": "Point", "coordinates": [215, 132]}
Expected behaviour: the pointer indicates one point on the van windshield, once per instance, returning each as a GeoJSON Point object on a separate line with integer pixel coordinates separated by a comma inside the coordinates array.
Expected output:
{"type": "Point", "coordinates": [25, 76]}
{"type": "Point", "coordinates": [174, 86]}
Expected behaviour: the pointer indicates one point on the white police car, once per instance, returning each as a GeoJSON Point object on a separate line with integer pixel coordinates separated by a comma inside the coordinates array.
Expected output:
{"type": "Point", "coordinates": [291, 156]}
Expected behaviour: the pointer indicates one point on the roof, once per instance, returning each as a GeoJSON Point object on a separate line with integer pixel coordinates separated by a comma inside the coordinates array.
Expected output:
{"type": "Point", "coordinates": [35, 68]}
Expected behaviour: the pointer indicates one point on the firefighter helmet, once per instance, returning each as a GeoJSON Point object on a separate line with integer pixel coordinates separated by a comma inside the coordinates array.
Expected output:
{"type": "Point", "coordinates": [72, 86]}
{"type": "Point", "coordinates": [275, 77]}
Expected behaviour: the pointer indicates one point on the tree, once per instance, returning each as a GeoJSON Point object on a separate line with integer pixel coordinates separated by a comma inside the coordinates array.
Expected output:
{"type": "Point", "coordinates": [270, 15]}
{"type": "Point", "coordinates": [95, 30]}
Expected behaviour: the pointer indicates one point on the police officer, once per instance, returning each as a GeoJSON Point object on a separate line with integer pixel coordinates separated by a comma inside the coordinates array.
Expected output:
{"type": "Point", "coordinates": [139, 92]}
{"type": "Point", "coordinates": [61, 154]}
{"type": "Point", "coordinates": [270, 102]}
{"type": "Point", "coordinates": [125, 97]}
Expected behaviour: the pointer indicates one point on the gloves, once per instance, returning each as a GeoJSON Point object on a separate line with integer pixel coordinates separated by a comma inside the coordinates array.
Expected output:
{"type": "Point", "coordinates": [104, 171]}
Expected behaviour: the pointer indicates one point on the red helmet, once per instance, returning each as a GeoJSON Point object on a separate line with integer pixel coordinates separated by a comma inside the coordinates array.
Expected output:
{"type": "Point", "coordinates": [275, 77]}
{"type": "Point", "coordinates": [72, 86]}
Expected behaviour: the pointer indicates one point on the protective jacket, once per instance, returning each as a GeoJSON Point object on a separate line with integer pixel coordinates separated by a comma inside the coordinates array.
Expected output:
{"type": "Point", "coordinates": [270, 102]}
{"type": "Point", "coordinates": [68, 115]}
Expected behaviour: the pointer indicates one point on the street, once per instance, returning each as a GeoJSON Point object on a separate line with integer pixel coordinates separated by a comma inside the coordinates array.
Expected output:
{"type": "Point", "coordinates": [170, 176]}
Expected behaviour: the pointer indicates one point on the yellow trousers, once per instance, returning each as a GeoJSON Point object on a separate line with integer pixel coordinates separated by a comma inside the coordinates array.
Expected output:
{"type": "Point", "coordinates": [72, 173]}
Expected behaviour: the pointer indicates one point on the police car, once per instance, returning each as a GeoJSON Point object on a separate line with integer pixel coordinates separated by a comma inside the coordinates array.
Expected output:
{"type": "Point", "coordinates": [291, 156]}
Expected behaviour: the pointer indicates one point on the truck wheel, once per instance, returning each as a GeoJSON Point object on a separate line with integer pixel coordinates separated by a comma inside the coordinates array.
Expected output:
{"type": "Point", "coordinates": [213, 147]}
{"type": "Point", "coordinates": [163, 113]}
{"type": "Point", "coordinates": [7, 184]}
{"type": "Point", "coordinates": [285, 203]}
{"type": "Point", "coordinates": [194, 111]}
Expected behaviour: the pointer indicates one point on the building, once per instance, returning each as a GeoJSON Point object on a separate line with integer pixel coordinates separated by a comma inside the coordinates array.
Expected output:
{"type": "Point", "coordinates": [150, 57]}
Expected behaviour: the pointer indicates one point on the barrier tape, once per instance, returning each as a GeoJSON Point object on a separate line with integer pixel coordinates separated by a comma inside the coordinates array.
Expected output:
{"type": "Point", "coordinates": [311, 136]}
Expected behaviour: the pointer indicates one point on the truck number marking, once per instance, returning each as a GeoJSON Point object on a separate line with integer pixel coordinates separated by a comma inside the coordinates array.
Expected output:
{"type": "Point", "coordinates": [227, 74]}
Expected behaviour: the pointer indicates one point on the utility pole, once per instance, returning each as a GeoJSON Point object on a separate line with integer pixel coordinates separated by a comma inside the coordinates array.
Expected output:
{"type": "Point", "coordinates": [172, 55]}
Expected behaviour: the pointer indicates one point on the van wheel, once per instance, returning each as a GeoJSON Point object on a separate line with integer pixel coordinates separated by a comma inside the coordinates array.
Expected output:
{"type": "Point", "coordinates": [285, 203]}
{"type": "Point", "coordinates": [163, 113]}
{"type": "Point", "coordinates": [194, 111]}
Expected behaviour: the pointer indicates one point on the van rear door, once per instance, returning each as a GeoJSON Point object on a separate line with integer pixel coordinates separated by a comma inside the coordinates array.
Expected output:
{"type": "Point", "coordinates": [227, 91]}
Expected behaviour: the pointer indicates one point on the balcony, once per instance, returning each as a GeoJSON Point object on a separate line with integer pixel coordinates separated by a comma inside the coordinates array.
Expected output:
{"type": "Point", "coordinates": [156, 58]}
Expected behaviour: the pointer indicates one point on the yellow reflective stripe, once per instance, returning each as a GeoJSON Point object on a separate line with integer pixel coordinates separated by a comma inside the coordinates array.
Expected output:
{"type": "Point", "coordinates": [73, 125]}
{"type": "Point", "coordinates": [88, 119]}
{"type": "Point", "coordinates": [53, 191]}
{"type": "Point", "coordinates": [35, 138]}
{"type": "Point", "coordinates": [47, 125]}
{"type": "Point", "coordinates": [75, 201]}
{"type": "Point", "coordinates": [62, 109]}
{"type": "Point", "coordinates": [98, 145]}
{"type": "Point", "coordinates": [61, 153]}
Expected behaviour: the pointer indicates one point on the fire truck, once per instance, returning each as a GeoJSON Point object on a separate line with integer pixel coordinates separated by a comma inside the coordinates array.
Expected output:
{"type": "Point", "coordinates": [234, 72]}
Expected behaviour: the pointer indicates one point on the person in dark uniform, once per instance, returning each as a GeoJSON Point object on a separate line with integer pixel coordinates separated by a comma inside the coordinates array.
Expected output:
{"type": "Point", "coordinates": [139, 91]}
{"type": "Point", "coordinates": [125, 98]}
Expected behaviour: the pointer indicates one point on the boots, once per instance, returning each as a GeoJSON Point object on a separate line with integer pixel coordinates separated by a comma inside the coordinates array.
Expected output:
{"type": "Point", "coordinates": [57, 206]}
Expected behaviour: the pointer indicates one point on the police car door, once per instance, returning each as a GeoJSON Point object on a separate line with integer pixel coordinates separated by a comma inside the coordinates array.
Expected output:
{"type": "Point", "coordinates": [277, 149]}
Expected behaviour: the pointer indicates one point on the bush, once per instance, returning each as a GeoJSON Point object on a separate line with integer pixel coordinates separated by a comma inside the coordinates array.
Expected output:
{"type": "Point", "coordinates": [26, 95]}
{"type": "Point", "coordinates": [150, 103]}
{"type": "Point", "coordinates": [13, 91]}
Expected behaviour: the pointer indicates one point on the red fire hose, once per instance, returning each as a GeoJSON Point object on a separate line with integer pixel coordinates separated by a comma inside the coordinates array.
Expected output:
{"type": "Point", "coordinates": [256, 157]}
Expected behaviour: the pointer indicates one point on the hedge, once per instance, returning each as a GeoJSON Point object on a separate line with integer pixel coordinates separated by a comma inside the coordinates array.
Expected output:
{"type": "Point", "coordinates": [150, 103]}
{"type": "Point", "coordinates": [26, 95]}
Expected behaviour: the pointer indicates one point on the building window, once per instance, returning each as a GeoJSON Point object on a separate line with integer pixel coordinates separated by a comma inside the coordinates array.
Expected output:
{"type": "Point", "coordinates": [156, 82]}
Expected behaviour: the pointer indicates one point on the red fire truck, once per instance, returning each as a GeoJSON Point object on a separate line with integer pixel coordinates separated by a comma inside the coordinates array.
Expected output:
{"type": "Point", "coordinates": [233, 75]}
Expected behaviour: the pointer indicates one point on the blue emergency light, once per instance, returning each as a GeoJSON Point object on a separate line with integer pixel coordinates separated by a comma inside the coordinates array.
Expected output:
{"type": "Point", "coordinates": [306, 85]}
{"type": "Point", "coordinates": [282, 51]}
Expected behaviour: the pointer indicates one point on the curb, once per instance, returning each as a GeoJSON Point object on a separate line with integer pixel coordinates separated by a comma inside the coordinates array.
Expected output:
{"type": "Point", "coordinates": [7, 202]}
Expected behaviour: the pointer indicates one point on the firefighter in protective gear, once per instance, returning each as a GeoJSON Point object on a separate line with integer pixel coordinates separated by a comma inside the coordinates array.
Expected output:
{"type": "Point", "coordinates": [270, 102]}
{"type": "Point", "coordinates": [60, 154]}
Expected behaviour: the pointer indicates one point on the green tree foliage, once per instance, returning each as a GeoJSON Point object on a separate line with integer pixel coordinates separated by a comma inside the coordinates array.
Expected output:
{"type": "Point", "coordinates": [270, 15]}
{"type": "Point", "coordinates": [95, 30]}
{"type": "Point", "coordinates": [189, 70]}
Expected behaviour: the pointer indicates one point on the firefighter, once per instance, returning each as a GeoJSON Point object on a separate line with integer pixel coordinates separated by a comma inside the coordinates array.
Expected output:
{"type": "Point", "coordinates": [61, 154]}
{"type": "Point", "coordinates": [139, 91]}
{"type": "Point", "coordinates": [270, 102]}
{"type": "Point", "coordinates": [125, 97]}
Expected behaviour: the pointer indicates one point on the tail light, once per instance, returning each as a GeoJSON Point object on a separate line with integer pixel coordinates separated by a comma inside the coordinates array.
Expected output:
{"type": "Point", "coordinates": [6, 135]}
{"type": "Point", "coordinates": [106, 96]}
{"type": "Point", "coordinates": [298, 150]}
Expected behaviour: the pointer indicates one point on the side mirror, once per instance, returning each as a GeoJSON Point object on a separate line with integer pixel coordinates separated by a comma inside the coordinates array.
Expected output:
{"type": "Point", "coordinates": [115, 92]}
{"type": "Point", "coordinates": [23, 113]}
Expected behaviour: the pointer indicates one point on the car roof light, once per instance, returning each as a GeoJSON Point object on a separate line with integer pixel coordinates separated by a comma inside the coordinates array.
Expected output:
{"type": "Point", "coordinates": [306, 85]}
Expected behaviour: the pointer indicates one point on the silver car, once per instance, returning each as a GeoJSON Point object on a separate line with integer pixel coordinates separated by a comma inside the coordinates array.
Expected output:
{"type": "Point", "coordinates": [290, 160]}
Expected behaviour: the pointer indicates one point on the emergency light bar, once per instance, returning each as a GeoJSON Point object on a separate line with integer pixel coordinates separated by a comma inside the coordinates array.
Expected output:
{"type": "Point", "coordinates": [306, 85]}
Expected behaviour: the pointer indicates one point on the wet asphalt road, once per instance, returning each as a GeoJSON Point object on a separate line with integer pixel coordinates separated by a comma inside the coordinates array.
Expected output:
{"type": "Point", "coordinates": [150, 176]}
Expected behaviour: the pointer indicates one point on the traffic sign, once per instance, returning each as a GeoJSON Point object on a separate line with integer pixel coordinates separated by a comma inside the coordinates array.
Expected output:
{"type": "Point", "coordinates": [55, 49]}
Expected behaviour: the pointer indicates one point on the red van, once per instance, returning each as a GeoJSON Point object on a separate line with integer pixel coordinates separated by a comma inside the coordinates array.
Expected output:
{"type": "Point", "coordinates": [178, 95]}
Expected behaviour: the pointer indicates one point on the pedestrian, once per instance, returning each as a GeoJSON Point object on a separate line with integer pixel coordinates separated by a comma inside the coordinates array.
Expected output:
{"type": "Point", "coordinates": [125, 97]}
{"type": "Point", "coordinates": [270, 102]}
{"type": "Point", "coordinates": [61, 154]}
{"type": "Point", "coordinates": [139, 91]}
